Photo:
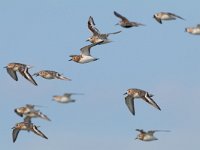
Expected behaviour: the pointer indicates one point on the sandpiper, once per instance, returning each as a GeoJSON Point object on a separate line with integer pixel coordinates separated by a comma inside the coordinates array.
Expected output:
{"type": "Point", "coordinates": [28, 127]}
{"type": "Point", "coordinates": [85, 56]}
{"type": "Point", "coordinates": [12, 68]}
{"type": "Point", "coordinates": [66, 98]}
{"type": "Point", "coordinates": [97, 36]}
{"type": "Point", "coordinates": [193, 30]}
{"type": "Point", "coordinates": [149, 135]}
{"type": "Point", "coordinates": [47, 74]}
{"type": "Point", "coordinates": [137, 93]}
{"type": "Point", "coordinates": [28, 111]}
{"type": "Point", "coordinates": [165, 16]}
{"type": "Point", "coordinates": [125, 22]}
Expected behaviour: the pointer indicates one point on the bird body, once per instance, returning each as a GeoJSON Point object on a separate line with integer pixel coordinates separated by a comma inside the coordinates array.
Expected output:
{"type": "Point", "coordinates": [28, 127]}
{"type": "Point", "coordinates": [193, 30]}
{"type": "Point", "coordinates": [85, 56]}
{"type": "Point", "coordinates": [165, 16]}
{"type": "Point", "coordinates": [96, 35]}
{"type": "Point", "coordinates": [47, 74]}
{"type": "Point", "coordinates": [125, 22]}
{"type": "Point", "coordinates": [66, 98]}
{"type": "Point", "coordinates": [137, 93]}
{"type": "Point", "coordinates": [12, 68]}
{"type": "Point", "coordinates": [148, 135]}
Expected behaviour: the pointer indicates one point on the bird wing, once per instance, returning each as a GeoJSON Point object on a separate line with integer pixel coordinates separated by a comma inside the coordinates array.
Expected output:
{"type": "Point", "coordinates": [153, 131]}
{"type": "Point", "coordinates": [147, 98]}
{"type": "Point", "coordinates": [12, 73]}
{"type": "Point", "coordinates": [43, 116]}
{"type": "Point", "coordinates": [129, 100]}
{"type": "Point", "coordinates": [15, 134]}
{"type": "Point", "coordinates": [86, 49]}
{"type": "Point", "coordinates": [91, 26]}
{"type": "Point", "coordinates": [38, 132]}
{"type": "Point", "coordinates": [24, 72]}
{"type": "Point", "coordinates": [120, 16]}
{"type": "Point", "coordinates": [140, 130]}
{"type": "Point", "coordinates": [172, 14]}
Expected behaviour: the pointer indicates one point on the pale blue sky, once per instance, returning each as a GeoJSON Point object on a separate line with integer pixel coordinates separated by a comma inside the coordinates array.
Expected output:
{"type": "Point", "coordinates": [162, 59]}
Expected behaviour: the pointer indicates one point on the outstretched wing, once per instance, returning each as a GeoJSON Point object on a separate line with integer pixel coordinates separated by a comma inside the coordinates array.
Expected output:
{"type": "Point", "coordinates": [15, 134]}
{"type": "Point", "coordinates": [129, 100]}
{"type": "Point", "coordinates": [140, 130]}
{"type": "Point", "coordinates": [91, 26]}
{"type": "Point", "coordinates": [153, 131]}
{"type": "Point", "coordinates": [38, 132]}
{"type": "Point", "coordinates": [24, 72]}
{"type": "Point", "coordinates": [120, 16]}
{"type": "Point", "coordinates": [12, 73]}
{"type": "Point", "coordinates": [147, 98]}
{"type": "Point", "coordinates": [172, 14]}
{"type": "Point", "coordinates": [86, 50]}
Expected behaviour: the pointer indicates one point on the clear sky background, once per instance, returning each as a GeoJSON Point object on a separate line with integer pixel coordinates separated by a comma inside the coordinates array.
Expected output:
{"type": "Point", "coordinates": [161, 59]}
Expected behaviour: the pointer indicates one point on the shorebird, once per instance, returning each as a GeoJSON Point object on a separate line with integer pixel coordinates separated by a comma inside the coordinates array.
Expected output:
{"type": "Point", "coordinates": [137, 93]}
{"type": "Point", "coordinates": [66, 98]}
{"type": "Point", "coordinates": [28, 111]}
{"type": "Point", "coordinates": [47, 74]}
{"type": "Point", "coordinates": [165, 16]}
{"type": "Point", "coordinates": [97, 36]}
{"type": "Point", "coordinates": [12, 68]}
{"type": "Point", "coordinates": [125, 22]}
{"type": "Point", "coordinates": [28, 127]}
{"type": "Point", "coordinates": [85, 56]}
{"type": "Point", "coordinates": [149, 135]}
{"type": "Point", "coordinates": [193, 30]}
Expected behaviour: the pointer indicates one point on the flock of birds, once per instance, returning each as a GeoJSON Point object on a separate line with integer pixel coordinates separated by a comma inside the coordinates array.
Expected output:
{"type": "Point", "coordinates": [28, 111]}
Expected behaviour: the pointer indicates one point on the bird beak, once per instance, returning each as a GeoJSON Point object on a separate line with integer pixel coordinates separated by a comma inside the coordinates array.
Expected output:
{"type": "Point", "coordinates": [87, 40]}
{"type": "Point", "coordinates": [117, 24]}
{"type": "Point", "coordinates": [136, 138]}
{"type": "Point", "coordinates": [125, 93]}
{"type": "Point", "coordinates": [70, 60]}
{"type": "Point", "coordinates": [5, 67]}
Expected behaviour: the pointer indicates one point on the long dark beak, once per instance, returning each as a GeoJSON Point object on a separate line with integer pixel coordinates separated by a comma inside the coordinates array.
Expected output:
{"type": "Point", "coordinates": [87, 40]}
{"type": "Point", "coordinates": [5, 67]}
{"type": "Point", "coordinates": [117, 24]}
{"type": "Point", "coordinates": [70, 60]}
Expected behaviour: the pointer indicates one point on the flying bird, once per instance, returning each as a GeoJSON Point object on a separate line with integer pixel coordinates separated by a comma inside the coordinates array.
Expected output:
{"type": "Point", "coordinates": [85, 56]}
{"type": "Point", "coordinates": [12, 68]}
{"type": "Point", "coordinates": [125, 22]}
{"type": "Point", "coordinates": [165, 16]}
{"type": "Point", "coordinates": [137, 93]}
{"type": "Point", "coordinates": [47, 74]}
{"type": "Point", "coordinates": [149, 135]}
{"type": "Point", "coordinates": [193, 30]}
{"type": "Point", "coordinates": [28, 111]}
{"type": "Point", "coordinates": [28, 126]}
{"type": "Point", "coordinates": [96, 35]}
{"type": "Point", "coordinates": [66, 98]}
